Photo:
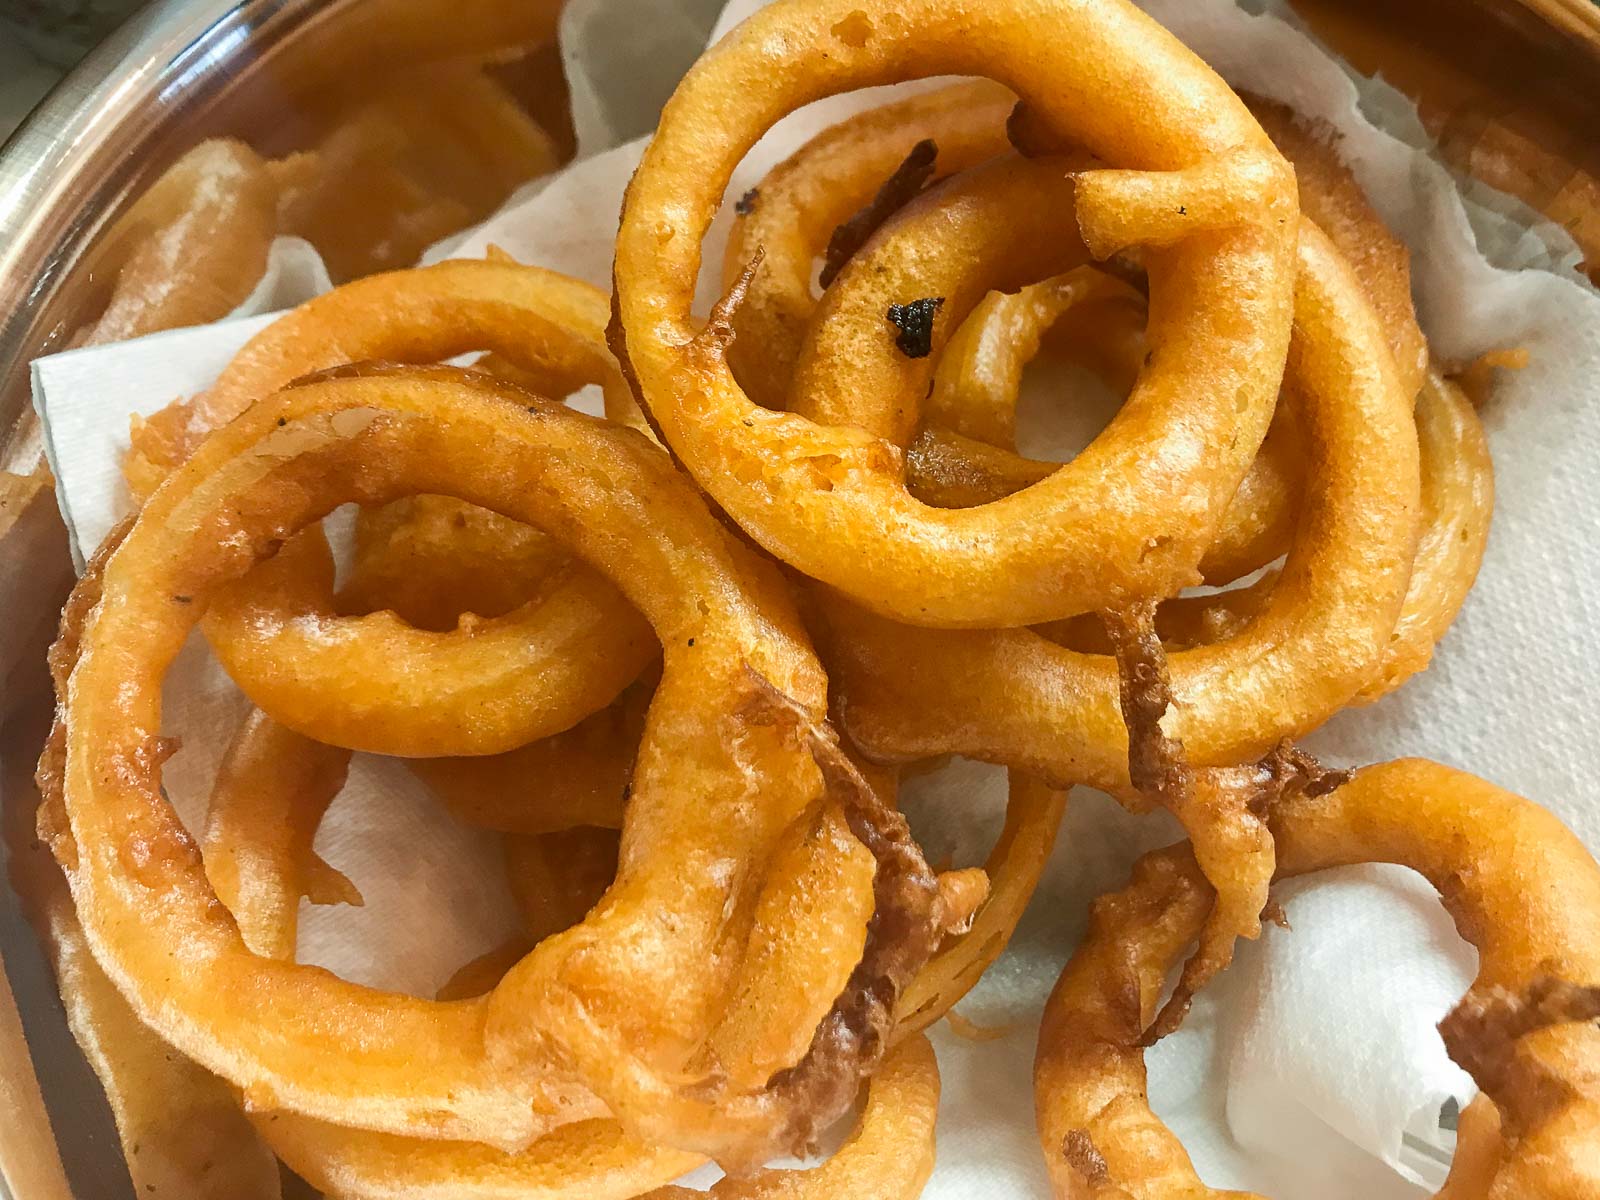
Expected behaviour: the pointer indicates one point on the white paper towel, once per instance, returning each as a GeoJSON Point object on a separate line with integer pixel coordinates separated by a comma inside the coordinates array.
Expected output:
{"type": "Point", "coordinates": [1301, 1070]}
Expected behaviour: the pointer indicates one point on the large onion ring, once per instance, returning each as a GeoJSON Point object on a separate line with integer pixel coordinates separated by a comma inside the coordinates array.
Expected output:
{"type": "Point", "coordinates": [1010, 696]}
{"type": "Point", "coordinates": [583, 1011]}
{"type": "Point", "coordinates": [179, 1126]}
{"type": "Point", "coordinates": [802, 489]}
{"type": "Point", "coordinates": [1520, 887]}
{"type": "Point", "coordinates": [975, 386]}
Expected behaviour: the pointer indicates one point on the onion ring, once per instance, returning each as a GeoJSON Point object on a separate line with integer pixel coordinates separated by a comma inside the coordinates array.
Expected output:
{"type": "Point", "coordinates": [541, 321]}
{"type": "Point", "coordinates": [1457, 505]}
{"type": "Point", "coordinates": [1520, 887]}
{"type": "Point", "coordinates": [1010, 696]}
{"type": "Point", "coordinates": [371, 682]}
{"type": "Point", "coordinates": [553, 879]}
{"type": "Point", "coordinates": [959, 460]}
{"type": "Point", "coordinates": [802, 489]}
{"type": "Point", "coordinates": [400, 1065]}
{"type": "Point", "coordinates": [977, 383]}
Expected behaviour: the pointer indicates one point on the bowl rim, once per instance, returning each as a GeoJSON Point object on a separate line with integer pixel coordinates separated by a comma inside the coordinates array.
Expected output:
{"type": "Point", "coordinates": [75, 162]}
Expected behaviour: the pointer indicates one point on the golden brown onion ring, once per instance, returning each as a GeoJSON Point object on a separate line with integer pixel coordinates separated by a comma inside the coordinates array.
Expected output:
{"type": "Point", "coordinates": [378, 684]}
{"type": "Point", "coordinates": [373, 682]}
{"type": "Point", "coordinates": [977, 382]}
{"type": "Point", "coordinates": [1520, 887]}
{"type": "Point", "coordinates": [1011, 696]}
{"type": "Point", "coordinates": [541, 321]}
{"type": "Point", "coordinates": [1457, 505]}
{"type": "Point", "coordinates": [611, 1005]}
{"type": "Point", "coordinates": [958, 462]}
{"type": "Point", "coordinates": [801, 488]}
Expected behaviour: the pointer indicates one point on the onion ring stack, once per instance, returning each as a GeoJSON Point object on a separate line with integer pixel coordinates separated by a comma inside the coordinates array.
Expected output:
{"type": "Point", "coordinates": [593, 638]}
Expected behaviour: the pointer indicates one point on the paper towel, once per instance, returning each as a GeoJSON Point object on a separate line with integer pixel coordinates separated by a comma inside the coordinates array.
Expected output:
{"type": "Point", "coordinates": [1301, 1071]}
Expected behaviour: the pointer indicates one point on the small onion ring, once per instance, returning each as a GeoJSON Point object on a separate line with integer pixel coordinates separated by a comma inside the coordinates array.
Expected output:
{"type": "Point", "coordinates": [373, 682]}
{"type": "Point", "coordinates": [957, 461]}
{"type": "Point", "coordinates": [1520, 887]}
{"type": "Point", "coordinates": [483, 1070]}
{"type": "Point", "coordinates": [977, 382]}
{"type": "Point", "coordinates": [802, 489]}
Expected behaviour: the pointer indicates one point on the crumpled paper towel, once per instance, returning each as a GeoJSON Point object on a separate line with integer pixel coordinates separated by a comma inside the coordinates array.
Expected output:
{"type": "Point", "coordinates": [1312, 1067]}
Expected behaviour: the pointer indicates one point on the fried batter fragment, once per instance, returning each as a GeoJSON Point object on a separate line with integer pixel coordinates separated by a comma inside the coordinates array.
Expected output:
{"type": "Point", "coordinates": [1222, 809]}
{"type": "Point", "coordinates": [915, 323]}
{"type": "Point", "coordinates": [902, 187]}
{"type": "Point", "coordinates": [907, 924]}
{"type": "Point", "coordinates": [1156, 766]}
